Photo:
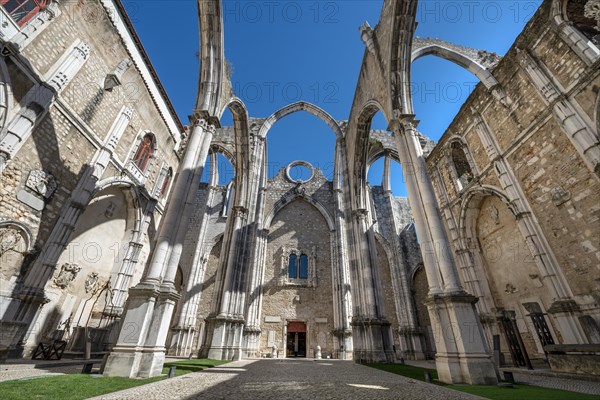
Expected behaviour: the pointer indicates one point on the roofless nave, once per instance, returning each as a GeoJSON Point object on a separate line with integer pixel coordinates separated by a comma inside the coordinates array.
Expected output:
{"type": "Point", "coordinates": [503, 206]}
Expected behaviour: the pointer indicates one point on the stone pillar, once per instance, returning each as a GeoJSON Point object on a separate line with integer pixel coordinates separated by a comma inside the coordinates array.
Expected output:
{"type": "Point", "coordinates": [462, 352]}
{"type": "Point", "coordinates": [387, 180]}
{"type": "Point", "coordinates": [409, 336]}
{"type": "Point", "coordinates": [343, 297]}
{"type": "Point", "coordinates": [33, 294]}
{"type": "Point", "coordinates": [140, 348]}
{"type": "Point", "coordinates": [39, 99]}
{"type": "Point", "coordinates": [227, 326]}
{"type": "Point", "coordinates": [566, 111]}
{"type": "Point", "coordinates": [410, 178]}
{"type": "Point", "coordinates": [371, 330]}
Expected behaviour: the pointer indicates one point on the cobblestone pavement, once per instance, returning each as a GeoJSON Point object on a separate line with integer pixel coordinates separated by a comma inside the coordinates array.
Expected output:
{"type": "Point", "coordinates": [16, 371]}
{"type": "Point", "coordinates": [574, 385]}
{"type": "Point", "coordinates": [286, 379]}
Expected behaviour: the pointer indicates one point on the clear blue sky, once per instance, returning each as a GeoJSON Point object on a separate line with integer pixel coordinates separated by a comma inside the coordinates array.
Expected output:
{"type": "Point", "coordinates": [285, 51]}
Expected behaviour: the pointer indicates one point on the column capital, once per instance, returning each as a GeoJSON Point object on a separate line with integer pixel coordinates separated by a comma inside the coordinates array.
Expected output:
{"type": "Point", "coordinates": [360, 213]}
{"type": "Point", "coordinates": [403, 123]}
{"type": "Point", "coordinates": [240, 212]}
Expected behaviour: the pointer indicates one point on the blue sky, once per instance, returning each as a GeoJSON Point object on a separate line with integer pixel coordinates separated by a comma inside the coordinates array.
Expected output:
{"type": "Point", "coordinates": [285, 51]}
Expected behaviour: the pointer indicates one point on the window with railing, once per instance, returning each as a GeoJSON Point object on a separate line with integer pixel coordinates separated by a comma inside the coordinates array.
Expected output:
{"type": "Point", "coordinates": [22, 11]}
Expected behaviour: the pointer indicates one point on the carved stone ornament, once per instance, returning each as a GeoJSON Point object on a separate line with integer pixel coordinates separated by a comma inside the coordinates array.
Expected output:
{"type": "Point", "coordinates": [299, 189]}
{"type": "Point", "coordinates": [68, 273]}
{"type": "Point", "coordinates": [110, 210]}
{"type": "Point", "coordinates": [42, 183]}
{"type": "Point", "coordinates": [510, 289]}
{"type": "Point", "coordinates": [9, 239]}
{"type": "Point", "coordinates": [592, 10]}
{"type": "Point", "coordinates": [494, 214]}
{"type": "Point", "coordinates": [91, 282]}
{"type": "Point", "coordinates": [560, 196]}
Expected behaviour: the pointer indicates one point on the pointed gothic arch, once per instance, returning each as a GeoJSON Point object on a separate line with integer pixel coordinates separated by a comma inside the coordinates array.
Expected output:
{"type": "Point", "coordinates": [301, 106]}
{"type": "Point", "coordinates": [478, 62]}
{"type": "Point", "coordinates": [289, 199]}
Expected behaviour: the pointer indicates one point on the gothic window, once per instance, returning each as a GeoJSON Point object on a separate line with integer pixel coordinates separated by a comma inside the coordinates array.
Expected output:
{"type": "Point", "coordinates": [293, 267]}
{"type": "Point", "coordinates": [144, 153]}
{"type": "Point", "coordinates": [166, 182]}
{"type": "Point", "coordinates": [298, 267]}
{"type": "Point", "coordinates": [462, 167]}
{"type": "Point", "coordinates": [22, 11]}
{"type": "Point", "coordinates": [303, 270]}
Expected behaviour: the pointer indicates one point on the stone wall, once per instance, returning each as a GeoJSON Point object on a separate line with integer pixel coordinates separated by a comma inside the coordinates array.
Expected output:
{"type": "Point", "coordinates": [64, 143]}
{"type": "Point", "coordinates": [555, 192]}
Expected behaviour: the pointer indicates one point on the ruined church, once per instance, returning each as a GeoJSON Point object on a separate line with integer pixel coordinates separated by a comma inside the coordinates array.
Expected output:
{"type": "Point", "coordinates": [109, 236]}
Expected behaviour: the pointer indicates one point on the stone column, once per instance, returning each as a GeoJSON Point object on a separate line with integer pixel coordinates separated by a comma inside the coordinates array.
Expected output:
{"type": "Point", "coordinates": [39, 99]}
{"type": "Point", "coordinates": [566, 111]}
{"type": "Point", "coordinates": [462, 352]}
{"type": "Point", "coordinates": [228, 324]}
{"type": "Point", "coordinates": [140, 348]}
{"type": "Point", "coordinates": [410, 338]}
{"type": "Point", "coordinates": [426, 242]}
{"type": "Point", "coordinates": [185, 330]}
{"type": "Point", "coordinates": [343, 328]}
{"type": "Point", "coordinates": [258, 239]}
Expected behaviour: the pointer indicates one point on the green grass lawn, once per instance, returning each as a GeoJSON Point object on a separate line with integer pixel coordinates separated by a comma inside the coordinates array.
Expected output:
{"type": "Point", "coordinates": [519, 391]}
{"type": "Point", "coordinates": [82, 386]}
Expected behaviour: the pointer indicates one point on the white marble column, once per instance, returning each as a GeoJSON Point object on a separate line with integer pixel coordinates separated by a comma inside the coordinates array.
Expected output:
{"type": "Point", "coordinates": [140, 348]}
{"type": "Point", "coordinates": [462, 352]}
{"type": "Point", "coordinates": [38, 100]}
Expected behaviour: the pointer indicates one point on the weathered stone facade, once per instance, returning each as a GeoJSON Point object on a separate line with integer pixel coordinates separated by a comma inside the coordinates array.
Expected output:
{"type": "Point", "coordinates": [77, 216]}
{"type": "Point", "coordinates": [523, 214]}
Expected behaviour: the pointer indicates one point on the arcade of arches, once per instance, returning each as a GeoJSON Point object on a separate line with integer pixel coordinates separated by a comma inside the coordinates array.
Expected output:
{"type": "Point", "coordinates": [192, 247]}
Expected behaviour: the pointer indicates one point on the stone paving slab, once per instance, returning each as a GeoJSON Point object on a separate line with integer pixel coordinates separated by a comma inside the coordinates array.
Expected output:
{"type": "Point", "coordinates": [287, 379]}
{"type": "Point", "coordinates": [573, 385]}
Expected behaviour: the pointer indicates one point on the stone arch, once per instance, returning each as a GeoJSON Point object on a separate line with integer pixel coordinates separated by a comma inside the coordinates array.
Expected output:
{"type": "Point", "coordinates": [571, 33]}
{"type": "Point", "coordinates": [478, 62]}
{"type": "Point", "coordinates": [133, 196]}
{"type": "Point", "coordinates": [98, 250]}
{"type": "Point", "coordinates": [502, 260]}
{"type": "Point", "coordinates": [361, 155]}
{"type": "Point", "coordinates": [290, 198]}
{"type": "Point", "coordinates": [6, 98]}
{"type": "Point", "coordinates": [471, 203]}
{"type": "Point", "coordinates": [241, 160]}
{"type": "Point", "coordinates": [212, 57]}
{"type": "Point", "coordinates": [403, 29]}
{"type": "Point", "coordinates": [301, 106]}
{"type": "Point", "coordinates": [215, 166]}
{"type": "Point", "coordinates": [16, 243]}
